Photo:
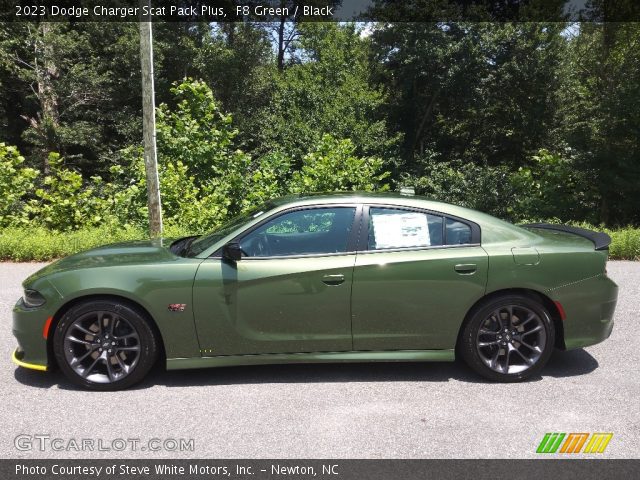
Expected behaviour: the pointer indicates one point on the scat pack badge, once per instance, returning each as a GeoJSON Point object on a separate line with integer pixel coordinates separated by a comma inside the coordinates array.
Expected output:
{"type": "Point", "coordinates": [177, 307]}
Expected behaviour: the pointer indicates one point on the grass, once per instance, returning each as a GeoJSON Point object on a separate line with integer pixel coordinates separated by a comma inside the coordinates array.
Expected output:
{"type": "Point", "coordinates": [39, 244]}
{"type": "Point", "coordinates": [625, 244]}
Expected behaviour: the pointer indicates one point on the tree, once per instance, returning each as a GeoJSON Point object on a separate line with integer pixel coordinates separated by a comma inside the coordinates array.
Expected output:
{"type": "Point", "coordinates": [480, 92]}
{"type": "Point", "coordinates": [236, 61]}
{"type": "Point", "coordinates": [601, 113]}
{"type": "Point", "coordinates": [327, 90]}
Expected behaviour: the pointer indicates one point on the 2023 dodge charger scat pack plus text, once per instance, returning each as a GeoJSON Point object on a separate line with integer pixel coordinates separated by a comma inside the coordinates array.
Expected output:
{"type": "Point", "coordinates": [322, 278]}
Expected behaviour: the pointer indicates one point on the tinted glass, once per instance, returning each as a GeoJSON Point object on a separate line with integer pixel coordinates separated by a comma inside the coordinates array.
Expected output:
{"type": "Point", "coordinates": [303, 232]}
{"type": "Point", "coordinates": [458, 233]}
{"type": "Point", "coordinates": [391, 228]}
{"type": "Point", "coordinates": [206, 241]}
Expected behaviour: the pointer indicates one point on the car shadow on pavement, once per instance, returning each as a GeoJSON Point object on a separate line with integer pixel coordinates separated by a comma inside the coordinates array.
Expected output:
{"type": "Point", "coordinates": [570, 364]}
{"type": "Point", "coordinates": [561, 364]}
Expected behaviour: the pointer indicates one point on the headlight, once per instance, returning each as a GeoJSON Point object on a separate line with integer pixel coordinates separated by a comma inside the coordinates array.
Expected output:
{"type": "Point", "coordinates": [32, 298]}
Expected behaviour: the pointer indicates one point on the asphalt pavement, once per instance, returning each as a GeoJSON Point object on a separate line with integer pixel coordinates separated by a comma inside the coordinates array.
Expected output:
{"type": "Point", "coordinates": [400, 410]}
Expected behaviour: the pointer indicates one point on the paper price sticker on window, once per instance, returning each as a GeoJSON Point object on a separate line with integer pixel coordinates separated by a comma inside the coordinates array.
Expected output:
{"type": "Point", "coordinates": [401, 230]}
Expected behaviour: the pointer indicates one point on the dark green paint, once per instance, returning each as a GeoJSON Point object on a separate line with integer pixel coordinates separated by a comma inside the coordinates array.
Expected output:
{"type": "Point", "coordinates": [393, 305]}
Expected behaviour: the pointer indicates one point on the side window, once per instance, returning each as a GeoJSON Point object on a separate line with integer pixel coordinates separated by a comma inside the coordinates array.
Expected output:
{"type": "Point", "coordinates": [302, 232]}
{"type": "Point", "coordinates": [458, 233]}
{"type": "Point", "coordinates": [392, 228]}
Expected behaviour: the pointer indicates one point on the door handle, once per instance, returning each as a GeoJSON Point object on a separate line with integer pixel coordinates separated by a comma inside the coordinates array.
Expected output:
{"type": "Point", "coordinates": [333, 279]}
{"type": "Point", "coordinates": [465, 268]}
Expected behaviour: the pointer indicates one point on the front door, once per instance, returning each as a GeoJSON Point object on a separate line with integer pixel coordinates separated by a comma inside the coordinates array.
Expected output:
{"type": "Point", "coordinates": [291, 291]}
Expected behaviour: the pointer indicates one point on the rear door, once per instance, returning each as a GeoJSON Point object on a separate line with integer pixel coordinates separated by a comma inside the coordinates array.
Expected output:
{"type": "Point", "coordinates": [416, 275]}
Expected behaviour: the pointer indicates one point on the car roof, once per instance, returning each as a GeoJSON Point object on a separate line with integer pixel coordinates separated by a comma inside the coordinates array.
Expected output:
{"type": "Point", "coordinates": [494, 229]}
{"type": "Point", "coordinates": [391, 198]}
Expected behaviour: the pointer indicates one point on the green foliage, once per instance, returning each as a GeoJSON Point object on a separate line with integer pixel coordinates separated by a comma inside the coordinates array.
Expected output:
{"type": "Point", "coordinates": [599, 113]}
{"type": "Point", "coordinates": [29, 244]}
{"type": "Point", "coordinates": [326, 89]}
{"type": "Point", "coordinates": [470, 92]}
{"type": "Point", "coordinates": [552, 187]}
{"type": "Point", "coordinates": [196, 132]}
{"type": "Point", "coordinates": [268, 178]}
{"type": "Point", "coordinates": [235, 60]}
{"type": "Point", "coordinates": [203, 178]}
{"type": "Point", "coordinates": [16, 181]}
{"type": "Point", "coordinates": [521, 120]}
{"type": "Point", "coordinates": [483, 188]}
{"type": "Point", "coordinates": [625, 243]}
{"type": "Point", "coordinates": [64, 201]}
{"type": "Point", "coordinates": [332, 166]}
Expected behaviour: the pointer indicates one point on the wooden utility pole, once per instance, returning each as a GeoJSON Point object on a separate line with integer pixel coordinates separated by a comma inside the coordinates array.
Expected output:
{"type": "Point", "coordinates": [149, 126]}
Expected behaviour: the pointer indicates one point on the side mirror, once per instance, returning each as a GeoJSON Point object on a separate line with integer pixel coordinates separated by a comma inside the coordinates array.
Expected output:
{"type": "Point", "coordinates": [232, 251]}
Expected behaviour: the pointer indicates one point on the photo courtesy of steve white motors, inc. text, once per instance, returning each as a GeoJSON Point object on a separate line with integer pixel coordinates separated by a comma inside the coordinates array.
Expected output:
{"type": "Point", "coordinates": [173, 469]}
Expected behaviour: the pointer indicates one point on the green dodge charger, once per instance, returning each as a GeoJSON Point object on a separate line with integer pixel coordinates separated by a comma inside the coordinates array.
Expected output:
{"type": "Point", "coordinates": [322, 278]}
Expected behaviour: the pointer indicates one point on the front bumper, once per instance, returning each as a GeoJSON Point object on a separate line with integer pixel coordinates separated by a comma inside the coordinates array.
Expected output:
{"type": "Point", "coordinates": [18, 355]}
{"type": "Point", "coordinates": [30, 327]}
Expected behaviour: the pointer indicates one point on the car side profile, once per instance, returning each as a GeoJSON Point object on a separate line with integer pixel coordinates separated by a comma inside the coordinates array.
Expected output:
{"type": "Point", "coordinates": [322, 278]}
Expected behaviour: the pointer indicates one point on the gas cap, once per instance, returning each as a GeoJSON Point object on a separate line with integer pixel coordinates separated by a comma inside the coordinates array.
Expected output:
{"type": "Point", "coordinates": [525, 256]}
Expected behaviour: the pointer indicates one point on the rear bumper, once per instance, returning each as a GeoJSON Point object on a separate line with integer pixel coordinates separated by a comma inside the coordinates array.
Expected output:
{"type": "Point", "coordinates": [589, 306]}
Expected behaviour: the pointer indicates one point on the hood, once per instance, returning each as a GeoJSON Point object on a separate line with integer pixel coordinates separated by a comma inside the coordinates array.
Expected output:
{"type": "Point", "coordinates": [115, 254]}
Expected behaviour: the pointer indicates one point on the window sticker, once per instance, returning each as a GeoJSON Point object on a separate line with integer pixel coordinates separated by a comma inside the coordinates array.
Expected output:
{"type": "Point", "coordinates": [401, 230]}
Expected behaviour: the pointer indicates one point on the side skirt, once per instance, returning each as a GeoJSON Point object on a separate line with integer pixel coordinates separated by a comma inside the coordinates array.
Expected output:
{"type": "Point", "coordinates": [318, 357]}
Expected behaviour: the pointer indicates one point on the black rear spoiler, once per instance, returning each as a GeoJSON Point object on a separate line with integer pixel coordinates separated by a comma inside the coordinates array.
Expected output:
{"type": "Point", "coordinates": [599, 239]}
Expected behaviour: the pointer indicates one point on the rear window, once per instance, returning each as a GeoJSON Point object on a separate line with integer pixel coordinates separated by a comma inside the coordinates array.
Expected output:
{"type": "Point", "coordinates": [391, 228]}
{"type": "Point", "coordinates": [458, 233]}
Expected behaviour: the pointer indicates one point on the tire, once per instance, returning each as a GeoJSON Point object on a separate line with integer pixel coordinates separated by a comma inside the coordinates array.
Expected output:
{"type": "Point", "coordinates": [488, 335]}
{"type": "Point", "coordinates": [114, 357]}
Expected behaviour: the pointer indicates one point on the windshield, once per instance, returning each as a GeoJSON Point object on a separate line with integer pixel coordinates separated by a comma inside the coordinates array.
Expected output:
{"type": "Point", "coordinates": [205, 241]}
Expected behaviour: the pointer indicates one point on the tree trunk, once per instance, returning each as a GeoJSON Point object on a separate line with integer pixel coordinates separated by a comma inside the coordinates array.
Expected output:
{"type": "Point", "coordinates": [46, 73]}
{"type": "Point", "coordinates": [281, 46]}
{"type": "Point", "coordinates": [418, 134]}
{"type": "Point", "coordinates": [149, 128]}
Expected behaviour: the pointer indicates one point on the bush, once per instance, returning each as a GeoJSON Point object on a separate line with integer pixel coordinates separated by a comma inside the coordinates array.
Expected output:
{"type": "Point", "coordinates": [625, 244]}
{"type": "Point", "coordinates": [553, 187]}
{"type": "Point", "coordinates": [64, 201]}
{"type": "Point", "coordinates": [332, 166]}
{"type": "Point", "coordinates": [16, 182]}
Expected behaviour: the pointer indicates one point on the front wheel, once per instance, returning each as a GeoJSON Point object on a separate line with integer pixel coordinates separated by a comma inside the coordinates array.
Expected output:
{"type": "Point", "coordinates": [104, 345]}
{"type": "Point", "coordinates": [508, 339]}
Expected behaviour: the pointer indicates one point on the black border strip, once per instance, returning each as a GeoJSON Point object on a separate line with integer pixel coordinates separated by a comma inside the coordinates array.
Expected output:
{"type": "Point", "coordinates": [323, 10]}
{"type": "Point", "coordinates": [530, 469]}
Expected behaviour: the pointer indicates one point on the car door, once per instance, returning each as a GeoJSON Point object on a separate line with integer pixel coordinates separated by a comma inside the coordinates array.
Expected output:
{"type": "Point", "coordinates": [289, 293]}
{"type": "Point", "coordinates": [416, 276]}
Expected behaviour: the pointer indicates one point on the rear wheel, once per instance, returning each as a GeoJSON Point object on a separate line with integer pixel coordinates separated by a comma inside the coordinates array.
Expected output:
{"type": "Point", "coordinates": [508, 339]}
{"type": "Point", "coordinates": [104, 345]}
